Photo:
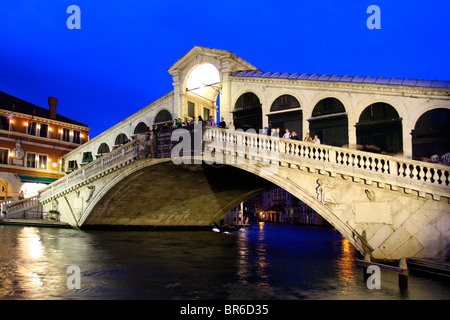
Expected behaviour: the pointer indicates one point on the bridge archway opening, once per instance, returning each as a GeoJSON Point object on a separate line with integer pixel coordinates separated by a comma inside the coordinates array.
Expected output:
{"type": "Point", "coordinates": [140, 128]}
{"type": "Point", "coordinates": [247, 112]}
{"type": "Point", "coordinates": [6, 190]}
{"type": "Point", "coordinates": [329, 122]}
{"type": "Point", "coordinates": [285, 113]}
{"type": "Point", "coordinates": [379, 129]}
{"type": "Point", "coordinates": [162, 117]}
{"type": "Point", "coordinates": [202, 91]}
{"type": "Point", "coordinates": [121, 139]}
{"type": "Point", "coordinates": [431, 134]}
{"type": "Point", "coordinates": [103, 149]}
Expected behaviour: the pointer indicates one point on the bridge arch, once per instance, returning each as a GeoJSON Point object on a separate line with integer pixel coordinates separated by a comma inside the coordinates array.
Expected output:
{"type": "Point", "coordinates": [210, 191]}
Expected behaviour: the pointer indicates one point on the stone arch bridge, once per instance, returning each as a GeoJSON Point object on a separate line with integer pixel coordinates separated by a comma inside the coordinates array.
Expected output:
{"type": "Point", "coordinates": [389, 207]}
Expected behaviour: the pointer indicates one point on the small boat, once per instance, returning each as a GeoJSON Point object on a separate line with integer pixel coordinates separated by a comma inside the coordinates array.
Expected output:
{"type": "Point", "coordinates": [226, 228]}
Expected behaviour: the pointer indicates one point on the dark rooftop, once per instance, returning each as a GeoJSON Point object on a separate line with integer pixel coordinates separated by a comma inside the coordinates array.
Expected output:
{"type": "Point", "coordinates": [353, 79]}
{"type": "Point", "coordinates": [7, 102]}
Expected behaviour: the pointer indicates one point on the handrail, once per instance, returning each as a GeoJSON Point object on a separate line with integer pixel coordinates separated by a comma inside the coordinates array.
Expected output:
{"type": "Point", "coordinates": [434, 174]}
{"type": "Point", "coordinates": [22, 204]}
{"type": "Point", "coordinates": [90, 168]}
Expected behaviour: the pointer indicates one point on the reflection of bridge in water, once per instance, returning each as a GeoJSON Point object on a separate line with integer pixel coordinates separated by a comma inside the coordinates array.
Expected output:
{"type": "Point", "coordinates": [386, 206]}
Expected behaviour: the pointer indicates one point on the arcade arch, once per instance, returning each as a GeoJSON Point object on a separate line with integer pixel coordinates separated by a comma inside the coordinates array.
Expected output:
{"type": "Point", "coordinates": [379, 129]}
{"type": "Point", "coordinates": [247, 112]}
{"type": "Point", "coordinates": [329, 121]}
{"type": "Point", "coordinates": [202, 92]}
{"type": "Point", "coordinates": [162, 117]}
{"type": "Point", "coordinates": [285, 113]}
{"type": "Point", "coordinates": [431, 134]}
{"type": "Point", "coordinates": [140, 128]}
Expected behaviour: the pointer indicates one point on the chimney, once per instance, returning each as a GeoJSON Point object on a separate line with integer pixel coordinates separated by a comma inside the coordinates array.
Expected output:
{"type": "Point", "coordinates": [52, 106]}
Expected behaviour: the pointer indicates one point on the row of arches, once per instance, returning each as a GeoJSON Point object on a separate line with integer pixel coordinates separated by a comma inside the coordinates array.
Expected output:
{"type": "Point", "coordinates": [379, 127]}
{"type": "Point", "coordinates": [162, 117]}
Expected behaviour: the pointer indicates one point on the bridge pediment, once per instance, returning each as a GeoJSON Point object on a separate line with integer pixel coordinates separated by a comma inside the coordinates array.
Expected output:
{"type": "Point", "coordinates": [223, 60]}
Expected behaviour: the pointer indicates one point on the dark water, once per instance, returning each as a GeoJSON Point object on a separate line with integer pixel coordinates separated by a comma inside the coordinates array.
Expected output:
{"type": "Point", "coordinates": [264, 262]}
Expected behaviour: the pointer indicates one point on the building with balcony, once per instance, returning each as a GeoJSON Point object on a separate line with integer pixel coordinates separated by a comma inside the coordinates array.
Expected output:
{"type": "Point", "coordinates": [33, 142]}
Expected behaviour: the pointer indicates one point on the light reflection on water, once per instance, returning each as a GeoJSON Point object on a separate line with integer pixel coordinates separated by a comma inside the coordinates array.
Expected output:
{"type": "Point", "coordinates": [264, 262]}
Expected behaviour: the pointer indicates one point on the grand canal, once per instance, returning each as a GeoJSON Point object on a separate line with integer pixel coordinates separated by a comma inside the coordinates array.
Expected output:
{"type": "Point", "coordinates": [267, 261]}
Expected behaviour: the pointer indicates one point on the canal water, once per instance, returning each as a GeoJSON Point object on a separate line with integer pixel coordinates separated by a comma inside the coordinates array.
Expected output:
{"type": "Point", "coordinates": [267, 261]}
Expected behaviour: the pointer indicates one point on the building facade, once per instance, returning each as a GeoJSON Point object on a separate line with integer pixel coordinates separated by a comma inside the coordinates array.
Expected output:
{"type": "Point", "coordinates": [33, 142]}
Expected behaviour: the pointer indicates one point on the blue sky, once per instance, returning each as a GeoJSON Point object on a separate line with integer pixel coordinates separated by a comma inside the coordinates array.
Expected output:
{"type": "Point", "coordinates": [117, 62]}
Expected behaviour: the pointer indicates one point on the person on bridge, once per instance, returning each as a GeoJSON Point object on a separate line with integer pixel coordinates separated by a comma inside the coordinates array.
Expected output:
{"type": "Point", "coordinates": [287, 134]}
{"type": "Point", "coordinates": [316, 139]}
{"type": "Point", "coordinates": [308, 138]}
{"type": "Point", "coordinates": [222, 123]}
{"type": "Point", "coordinates": [211, 122]}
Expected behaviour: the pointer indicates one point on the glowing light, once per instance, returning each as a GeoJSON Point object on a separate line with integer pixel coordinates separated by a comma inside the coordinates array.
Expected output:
{"type": "Point", "coordinates": [31, 189]}
{"type": "Point", "coordinates": [201, 79]}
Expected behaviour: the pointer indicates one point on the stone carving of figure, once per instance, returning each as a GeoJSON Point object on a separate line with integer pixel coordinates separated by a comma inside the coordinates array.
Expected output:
{"type": "Point", "coordinates": [324, 194]}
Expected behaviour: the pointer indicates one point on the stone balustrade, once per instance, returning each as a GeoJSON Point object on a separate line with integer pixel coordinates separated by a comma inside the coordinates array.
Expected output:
{"type": "Point", "coordinates": [398, 172]}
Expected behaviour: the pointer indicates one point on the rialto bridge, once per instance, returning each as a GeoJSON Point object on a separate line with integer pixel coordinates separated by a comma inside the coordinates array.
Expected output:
{"type": "Point", "coordinates": [387, 205]}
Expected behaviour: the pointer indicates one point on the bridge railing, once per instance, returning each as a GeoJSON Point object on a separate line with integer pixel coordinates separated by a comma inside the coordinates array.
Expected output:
{"type": "Point", "coordinates": [430, 173]}
{"type": "Point", "coordinates": [127, 151]}
{"type": "Point", "coordinates": [20, 206]}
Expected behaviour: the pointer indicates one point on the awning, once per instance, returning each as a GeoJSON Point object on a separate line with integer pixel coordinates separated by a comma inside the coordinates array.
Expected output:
{"type": "Point", "coordinates": [36, 179]}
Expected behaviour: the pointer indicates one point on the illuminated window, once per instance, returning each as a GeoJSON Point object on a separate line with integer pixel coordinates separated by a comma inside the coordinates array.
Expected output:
{"type": "Point", "coordinates": [65, 135]}
{"type": "Point", "coordinates": [76, 137]}
{"type": "Point", "coordinates": [32, 128]}
{"type": "Point", "coordinates": [31, 160]}
{"type": "Point", "coordinates": [43, 161]}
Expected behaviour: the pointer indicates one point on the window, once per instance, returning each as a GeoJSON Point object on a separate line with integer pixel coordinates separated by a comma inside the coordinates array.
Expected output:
{"type": "Point", "coordinates": [76, 136]}
{"type": "Point", "coordinates": [87, 157]}
{"type": "Point", "coordinates": [65, 135]}
{"type": "Point", "coordinates": [43, 132]}
{"type": "Point", "coordinates": [4, 156]}
{"type": "Point", "coordinates": [191, 109]}
{"type": "Point", "coordinates": [73, 165]}
{"type": "Point", "coordinates": [31, 160]}
{"type": "Point", "coordinates": [4, 125]}
{"type": "Point", "coordinates": [43, 161]}
{"type": "Point", "coordinates": [205, 114]}
{"type": "Point", "coordinates": [32, 128]}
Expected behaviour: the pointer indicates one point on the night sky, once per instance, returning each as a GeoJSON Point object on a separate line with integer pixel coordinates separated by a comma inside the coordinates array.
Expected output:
{"type": "Point", "coordinates": [117, 63]}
